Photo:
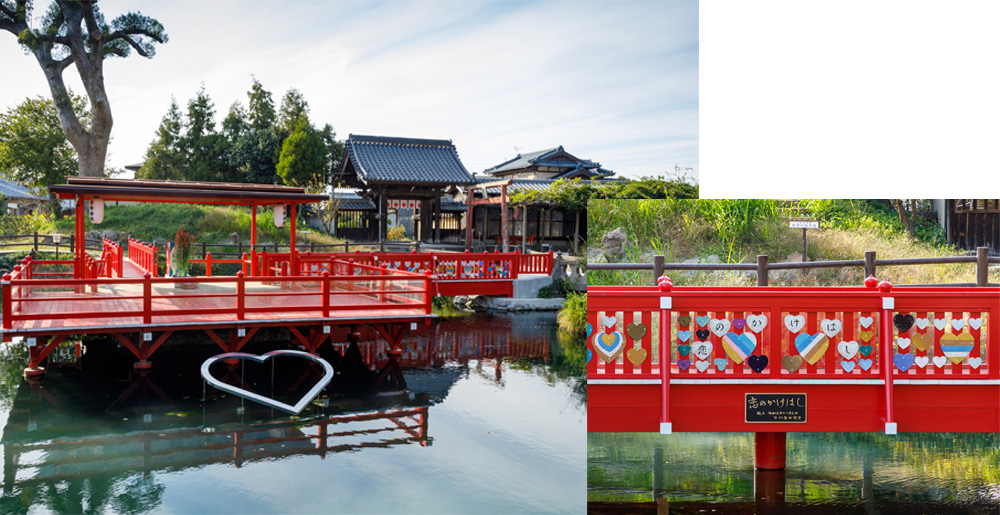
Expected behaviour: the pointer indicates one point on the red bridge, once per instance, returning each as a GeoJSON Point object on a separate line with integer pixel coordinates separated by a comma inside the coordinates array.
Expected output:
{"type": "Point", "coordinates": [772, 360]}
{"type": "Point", "coordinates": [312, 295]}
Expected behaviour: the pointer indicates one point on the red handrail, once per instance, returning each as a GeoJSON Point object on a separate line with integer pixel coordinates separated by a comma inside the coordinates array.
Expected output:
{"type": "Point", "coordinates": [144, 256]}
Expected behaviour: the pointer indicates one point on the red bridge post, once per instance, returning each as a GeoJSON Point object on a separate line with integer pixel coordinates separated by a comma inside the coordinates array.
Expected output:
{"type": "Point", "coordinates": [769, 451]}
{"type": "Point", "coordinates": [666, 304]}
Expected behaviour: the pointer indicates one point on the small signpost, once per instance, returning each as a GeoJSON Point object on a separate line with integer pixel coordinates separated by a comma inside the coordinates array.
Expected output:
{"type": "Point", "coordinates": [804, 225]}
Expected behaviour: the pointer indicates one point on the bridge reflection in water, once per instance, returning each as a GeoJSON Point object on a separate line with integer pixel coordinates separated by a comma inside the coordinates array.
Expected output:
{"type": "Point", "coordinates": [86, 426]}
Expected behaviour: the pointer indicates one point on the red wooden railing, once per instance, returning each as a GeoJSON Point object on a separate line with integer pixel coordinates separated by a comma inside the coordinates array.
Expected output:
{"type": "Point", "coordinates": [113, 256]}
{"type": "Point", "coordinates": [867, 335]}
{"type": "Point", "coordinates": [369, 289]}
{"type": "Point", "coordinates": [445, 266]}
{"type": "Point", "coordinates": [144, 256]}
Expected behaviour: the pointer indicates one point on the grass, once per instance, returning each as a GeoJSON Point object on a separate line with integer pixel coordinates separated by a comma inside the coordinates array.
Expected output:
{"type": "Point", "coordinates": [738, 230]}
{"type": "Point", "coordinates": [573, 316]}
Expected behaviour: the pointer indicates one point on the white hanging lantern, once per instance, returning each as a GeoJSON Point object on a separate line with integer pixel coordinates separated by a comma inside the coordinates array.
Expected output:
{"type": "Point", "coordinates": [279, 216]}
{"type": "Point", "coordinates": [96, 211]}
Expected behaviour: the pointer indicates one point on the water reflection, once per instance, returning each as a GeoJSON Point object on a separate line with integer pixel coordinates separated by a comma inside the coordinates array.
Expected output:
{"type": "Point", "coordinates": [827, 473]}
{"type": "Point", "coordinates": [98, 436]}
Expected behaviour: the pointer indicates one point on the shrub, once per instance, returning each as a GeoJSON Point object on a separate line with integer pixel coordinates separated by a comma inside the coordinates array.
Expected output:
{"type": "Point", "coordinates": [573, 316]}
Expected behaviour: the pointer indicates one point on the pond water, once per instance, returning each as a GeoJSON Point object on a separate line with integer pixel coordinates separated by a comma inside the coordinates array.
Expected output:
{"type": "Point", "coordinates": [826, 473]}
{"type": "Point", "coordinates": [494, 420]}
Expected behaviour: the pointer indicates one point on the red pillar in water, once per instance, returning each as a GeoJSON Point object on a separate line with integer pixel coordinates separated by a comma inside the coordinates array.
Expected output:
{"type": "Point", "coordinates": [769, 451]}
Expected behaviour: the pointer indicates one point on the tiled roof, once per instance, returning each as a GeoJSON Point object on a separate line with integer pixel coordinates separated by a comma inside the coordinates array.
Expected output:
{"type": "Point", "coordinates": [379, 159]}
{"type": "Point", "coordinates": [354, 202]}
{"type": "Point", "coordinates": [531, 184]}
{"type": "Point", "coordinates": [553, 157]}
{"type": "Point", "coordinates": [14, 190]}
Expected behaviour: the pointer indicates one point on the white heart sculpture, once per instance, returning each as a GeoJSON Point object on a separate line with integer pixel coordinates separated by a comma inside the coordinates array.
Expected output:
{"type": "Point", "coordinates": [795, 323]}
{"type": "Point", "coordinates": [848, 349]}
{"type": "Point", "coordinates": [940, 323]}
{"type": "Point", "coordinates": [939, 361]}
{"type": "Point", "coordinates": [756, 323]}
{"type": "Point", "coordinates": [975, 362]}
{"type": "Point", "coordinates": [866, 322]}
{"type": "Point", "coordinates": [610, 321]}
{"type": "Point", "coordinates": [701, 350]}
{"type": "Point", "coordinates": [267, 401]}
{"type": "Point", "coordinates": [719, 327]}
{"type": "Point", "coordinates": [831, 327]}
{"type": "Point", "coordinates": [922, 323]}
{"type": "Point", "coordinates": [701, 365]}
{"type": "Point", "coordinates": [975, 323]}
{"type": "Point", "coordinates": [903, 343]}
{"type": "Point", "coordinates": [957, 323]}
{"type": "Point", "coordinates": [921, 361]}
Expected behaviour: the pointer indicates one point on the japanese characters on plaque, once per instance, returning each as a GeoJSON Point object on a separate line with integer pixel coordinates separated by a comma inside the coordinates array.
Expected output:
{"type": "Point", "coordinates": [776, 408]}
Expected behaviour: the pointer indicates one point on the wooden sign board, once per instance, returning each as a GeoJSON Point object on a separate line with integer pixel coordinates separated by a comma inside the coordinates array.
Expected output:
{"type": "Point", "coordinates": [780, 408]}
{"type": "Point", "coordinates": [803, 224]}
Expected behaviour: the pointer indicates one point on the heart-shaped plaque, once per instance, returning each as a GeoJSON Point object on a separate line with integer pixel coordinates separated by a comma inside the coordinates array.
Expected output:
{"type": "Point", "coordinates": [636, 331]}
{"type": "Point", "coordinates": [720, 363]}
{"type": "Point", "coordinates": [812, 346]}
{"type": "Point", "coordinates": [922, 323]}
{"type": "Point", "coordinates": [739, 323]}
{"type": "Point", "coordinates": [609, 346]}
{"type": "Point", "coordinates": [848, 366]}
{"type": "Point", "coordinates": [702, 350]}
{"type": "Point", "coordinates": [683, 350]}
{"type": "Point", "coordinates": [940, 324]}
{"type": "Point", "coordinates": [866, 350]}
{"type": "Point", "coordinates": [975, 362]}
{"type": "Point", "coordinates": [922, 341]}
{"type": "Point", "coordinates": [939, 361]}
{"type": "Point", "coordinates": [739, 346]}
{"type": "Point", "coordinates": [684, 320]}
{"type": "Point", "coordinates": [720, 326]}
{"type": "Point", "coordinates": [975, 323]}
{"type": "Point", "coordinates": [795, 323]}
{"type": "Point", "coordinates": [683, 335]}
{"type": "Point", "coordinates": [866, 322]}
{"type": "Point", "coordinates": [683, 363]}
{"type": "Point", "coordinates": [702, 334]}
{"type": "Point", "coordinates": [865, 364]}
{"type": "Point", "coordinates": [958, 323]}
{"type": "Point", "coordinates": [702, 321]}
{"type": "Point", "coordinates": [847, 349]}
{"type": "Point", "coordinates": [921, 361]}
{"type": "Point", "coordinates": [701, 365]}
{"type": "Point", "coordinates": [756, 323]}
{"type": "Point", "coordinates": [866, 335]}
{"type": "Point", "coordinates": [757, 363]}
{"type": "Point", "coordinates": [903, 322]}
{"type": "Point", "coordinates": [791, 363]}
{"type": "Point", "coordinates": [260, 399]}
{"type": "Point", "coordinates": [903, 361]}
{"type": "Point", "coordinates": [956, 346]}
{"type": "Point", "coordinates": [590, 329]}
{"type": "Point", "coordinates": [636, 356]}
{"type": "Point", "coordinates": [831, 327]}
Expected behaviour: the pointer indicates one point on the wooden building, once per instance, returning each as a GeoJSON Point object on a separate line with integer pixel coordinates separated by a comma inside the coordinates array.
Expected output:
{"type": "Point", "coordinates": [410, 174]}
{"type": "Point", "coordinates": [970, 223]}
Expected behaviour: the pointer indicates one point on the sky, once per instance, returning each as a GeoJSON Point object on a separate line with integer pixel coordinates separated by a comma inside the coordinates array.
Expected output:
{"type": "Point", "coordinates": [614, 82]}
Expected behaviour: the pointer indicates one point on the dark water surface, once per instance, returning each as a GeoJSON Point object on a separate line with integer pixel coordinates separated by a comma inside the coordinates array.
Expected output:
{"type": "Point", "coordinates": [494, 422]}
{"type": "Point", "coordinates": [826, 473]}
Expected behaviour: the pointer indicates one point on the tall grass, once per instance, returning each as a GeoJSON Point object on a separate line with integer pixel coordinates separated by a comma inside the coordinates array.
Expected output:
{"type": "Point", "coordinates": [739, 230]}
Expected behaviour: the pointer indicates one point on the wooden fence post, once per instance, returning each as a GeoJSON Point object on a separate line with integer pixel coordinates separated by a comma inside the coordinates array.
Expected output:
{"type": "Point", "coordinates": [982, 265]}
{"type": "Point", "coordinates": [657, 268]}
{"type": "Point", "coordinates": [240, 296]}
{"type": "Point", "coordinates": [869, 263]}
{"type": "Point", "coordinates": [147, 298]}
{"type": "Point", "coordinates": [36, 241]}
{"type": "Point", "coordinates": [762, 270]}
{"type": "Point", "coordinates": [325, 283]}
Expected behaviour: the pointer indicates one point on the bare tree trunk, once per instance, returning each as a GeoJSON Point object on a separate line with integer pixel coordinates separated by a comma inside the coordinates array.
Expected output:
{"type": "Point", "coordinates": [907, 219]}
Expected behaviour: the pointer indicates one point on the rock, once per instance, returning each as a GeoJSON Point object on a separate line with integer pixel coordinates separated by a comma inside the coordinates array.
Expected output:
{"type": "Point", "coordinates": [460, 301]}
{"type": "Point", "coordinates": [234, 237]}
{"type": "Point", "coordinates": [614, 245]}
{"type": "Point", "coordinates": [713, 259]}
{"type": "Point", "coordinates": [111, 235]}
{"type": "Point", "coordinates": [478, 303]}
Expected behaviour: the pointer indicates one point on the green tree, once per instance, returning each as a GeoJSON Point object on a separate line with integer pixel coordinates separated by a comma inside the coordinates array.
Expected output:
{"type": "Point", "coordinates": [164, 158]}
{"type": "Point", "coordinates": [293, 107]}
{"type": "Point", "coordinates": [261, 107]}
{"type": "Point", "coordinates": [258, 148]}
{"type": "Point", "coordinates": [203, 148]}
{"type": "Point", "coordinates": [33, 149]}
{"type": "Point", "coordinates": [74, 32]}
{"type": "Point", "coordinates": [303, 160]}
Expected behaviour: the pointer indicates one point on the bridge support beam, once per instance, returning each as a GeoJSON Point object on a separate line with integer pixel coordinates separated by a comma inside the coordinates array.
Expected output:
{"type": "Point", "coordinates": [769, 451]}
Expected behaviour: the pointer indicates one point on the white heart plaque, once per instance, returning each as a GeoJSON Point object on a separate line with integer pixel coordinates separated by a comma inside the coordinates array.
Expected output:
{"type": "Point", "coordinates": [903, 343]}
{"type": "Point", "coordinates": [866, 322]}
{"type": "Point", "coordinates": [831, 327]}
{"type": "Point", "coordinates": [610, 321]}
{"type": "Point", "coordinates": [756, 323]}
{"type": "Point", "coordinates": [939, 361]}
{"type": "Point", "coordinates": [702, 350]}
{"type": "Point", "coordinates": [922, 323]}
{"type": "Point", "coordinates": [975, 362]}
{"type": "Point", "coordinates": [795, 323]}
{"type": "Point", "coordinates": [719, 327]}
{"type": "Point", "coordinates": [957, 323]}
{"type": "Point", "coordinates": [975, 323]}
{"type": "Point", "coordinates": [921, 361]}
{"type": "Point", "coordinates": [940, 323]}
{"type": "Point", "coordinates": [701, 365]}
{"type": "Point", "coordinates": [848, 349]}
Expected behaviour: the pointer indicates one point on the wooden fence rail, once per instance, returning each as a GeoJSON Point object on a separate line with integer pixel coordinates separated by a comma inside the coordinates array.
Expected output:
{"type": "Point", "coordinates": [982, 259]}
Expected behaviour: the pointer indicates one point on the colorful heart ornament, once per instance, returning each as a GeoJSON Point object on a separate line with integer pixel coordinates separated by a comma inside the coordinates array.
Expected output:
{"type": "Point", "coordinates": [866, 350]}
{"type": "Point", "coordinates": [922, 341]}
{"type": "Point", "coordinates": [812, 346]}
{"type": "Point", "coordinates": [848, 349]}
{"type": "Point", "coordinates": [683, 364]}
{"type": "Point", "coordinates": [590, 329]}
{"type": "Point", "coordinates": [589, 355]}
{"type": "Point", "coordinates": [866, 335]}
{"type": "Point", "coordinates": [956, 346]}
{"type": "Point", "coordinates": [609, 345]}
{"type": "Point", "coordinates": [865, 364]}
{"type": "Point", "coordinates": [702, 334]}
{"type": "Point", "coordinates": [848, 366]}
{"type": "Point", "coordinates": [702, 321]}
{"type": "Point", "coordinates": [903, 322]}
{"type": "Point", "coordinates": [739, 323]}
{"type": "Point", "coordinates": [831, 327]}
{"type": "Point", "coordinates": [683, 335]}
{"type": "Point", "coordinates": [739, 346]}
{"type": "Point", "coordinates": [720, 363]}
{"type": "Point", "coordinates": [683, 350]}
{"type": "Point", "coordinates": [720, 326]}
{"type": "Point", "coordinates": [683, 320]}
